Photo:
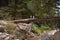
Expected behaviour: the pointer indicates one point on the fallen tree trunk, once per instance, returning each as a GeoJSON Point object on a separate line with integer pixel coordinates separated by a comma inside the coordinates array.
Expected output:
{"type": "Point", "coordinates": [37, 20]}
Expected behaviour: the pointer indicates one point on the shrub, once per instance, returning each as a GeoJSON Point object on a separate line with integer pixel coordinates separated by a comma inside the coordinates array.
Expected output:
{"type": "Point", "coordinates": [11, 29]}
{"type": "Point", "coordinates": [39, 30]}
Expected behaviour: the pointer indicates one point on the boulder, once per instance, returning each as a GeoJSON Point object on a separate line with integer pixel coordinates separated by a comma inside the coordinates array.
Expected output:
{"type": "Point", "coordinates": [57, 35]}
{"type": "Point", "coordinates": [48, 35]}
{"type": "Point", "coordinates": [3, 23]}
{"type": "Point", "coordinates": [24, 26]}
{"type": "Point", "coordinates": [5, 36]}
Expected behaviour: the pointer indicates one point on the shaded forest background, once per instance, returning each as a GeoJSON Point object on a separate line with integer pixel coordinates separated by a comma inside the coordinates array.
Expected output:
{"type": "Point", "coordinates": [16, 9]}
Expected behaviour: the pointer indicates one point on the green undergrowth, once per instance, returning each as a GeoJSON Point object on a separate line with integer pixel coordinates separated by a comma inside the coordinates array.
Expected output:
{"type": "Point", "coordinates": [39, 30]}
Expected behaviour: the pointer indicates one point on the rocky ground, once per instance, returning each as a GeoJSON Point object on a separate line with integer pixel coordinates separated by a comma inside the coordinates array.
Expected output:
{"type": "Point", "coordinates": [24, 30]}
